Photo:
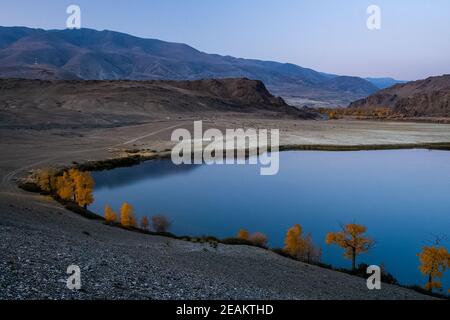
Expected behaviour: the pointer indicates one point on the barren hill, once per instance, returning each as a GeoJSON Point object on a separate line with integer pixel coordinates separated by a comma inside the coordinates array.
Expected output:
{"type": "Point", "coordinates": [47, 104]}
{"type": "Point", "coordinates": [423, 98]}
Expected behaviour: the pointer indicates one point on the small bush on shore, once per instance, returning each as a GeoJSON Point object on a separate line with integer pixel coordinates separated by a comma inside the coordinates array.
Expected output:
{"type": "Point", "coordinates": [260, 239]}
{"type": "Point", "coordinates": [144, 223]}
{"type": "Point", "coordinates": [160, 223]}
{"type": "Point", "coordinates": [243, 234]}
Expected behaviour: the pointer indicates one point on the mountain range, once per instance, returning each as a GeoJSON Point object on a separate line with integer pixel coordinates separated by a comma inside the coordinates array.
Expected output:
{"type": "Point", "coordinates": [423, 98]}
{"type": "Point", "coordinates": [106, 55]}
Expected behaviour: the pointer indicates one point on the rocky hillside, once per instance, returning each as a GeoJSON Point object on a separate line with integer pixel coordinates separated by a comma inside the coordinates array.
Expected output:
{"type": "Point", "coordinates": [423, 98]}
{"type": "Point", "coordinates": [42, 104]}
{"type": "Point", "coordinates": [106, 55]}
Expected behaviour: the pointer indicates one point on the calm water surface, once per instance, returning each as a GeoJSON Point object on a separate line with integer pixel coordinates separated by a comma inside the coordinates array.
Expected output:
{"type": "Point", "coordinates": [403, 197]}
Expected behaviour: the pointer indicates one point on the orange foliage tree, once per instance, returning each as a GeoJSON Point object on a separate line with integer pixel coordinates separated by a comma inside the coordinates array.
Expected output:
{"type": "Point", "coordinates": [299, 246]}
{"type": "Point", "coordinates": [127, 215]}
{"type": "Point", "coordinates": [110, 215]}
{"type": "Point", "coordinates": [434, 261]}
{"type": "Point", "coordinates": [293, 243]}
{"type": "Point", "coordinates": [73, 174]}
{"type": "Point", "coordinates": [243, 234]}
{"type": "Point", "coordinates": [65, 187]}
{"type": "Point", "coordinates": [76, 186]}
{"type": "Point", "coordinates": [84, 187]}
{"type": "Point", "coordinates": [352, 240]}
{"type": "Point", "coordinates": [46, 179]}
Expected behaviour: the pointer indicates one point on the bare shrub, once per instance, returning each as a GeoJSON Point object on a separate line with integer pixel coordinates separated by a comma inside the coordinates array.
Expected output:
{"type": "Point", "coordinates": [259, 239]}
{"type": "Point", "coordinates": [160, 223]}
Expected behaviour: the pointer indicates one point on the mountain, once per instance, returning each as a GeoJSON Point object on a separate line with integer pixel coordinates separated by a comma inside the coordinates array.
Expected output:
{"type": "Point", "coordinates": [383, 83]}
{"type": "Point", "coordinates": [423, 98]}
{"type": "Point", "coordinates": [43, 104]}
{"type": "Point", "coordinates": [349, 84]}
{"type": "Point", "coordinates": [106, 55]}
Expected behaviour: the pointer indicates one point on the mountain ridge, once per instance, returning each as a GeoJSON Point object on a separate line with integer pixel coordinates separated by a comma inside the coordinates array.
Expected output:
{"type": "Point", "coordinates": [429, 97]}
{"type": "Point", "coordinates": [109, 55]}
{"type": "Point", "coordinates": [46, 104]}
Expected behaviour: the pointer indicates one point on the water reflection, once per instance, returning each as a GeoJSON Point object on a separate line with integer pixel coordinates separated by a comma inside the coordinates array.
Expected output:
{"type": "Point", "coordinates": [156, 169]}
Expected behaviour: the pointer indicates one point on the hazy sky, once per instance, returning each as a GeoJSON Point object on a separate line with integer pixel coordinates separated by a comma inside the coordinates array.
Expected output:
{"type": "Point", "coordinates": [326, 35]}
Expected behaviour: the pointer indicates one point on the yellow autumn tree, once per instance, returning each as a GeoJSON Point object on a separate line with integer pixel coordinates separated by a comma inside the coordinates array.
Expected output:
{"type": "Point", "coordinates": [352, 240]}
{"type": "Point", "coordinates": [127, 215]}
{"type": "Point", "coordinates": [144, 223]}
{"type": "Point", "coordinates": [73, 174]}
{"type": "Point", "coordinates": [243, 234]}
{"type": "Point", "coordinates": [294, 243]}
{"type": "Point", "coordinates": [84, 187]}
{"type": "Point", "coordinates": [110, 215]}
{"type": "Point", "coordinates": [65, 187]}
{"type": "Point", "coordinates": [434, 261]}
{"type": "Point", "coordinates": [46, 179]}
{"type": "Point", "coordinates": [75, 186]}
{"type": "Point", "coordinates": [299, 246]}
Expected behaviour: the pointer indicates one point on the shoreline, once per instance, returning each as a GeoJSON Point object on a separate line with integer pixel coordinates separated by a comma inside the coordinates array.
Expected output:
{"type": "Point", "coordinates": [139, 156]}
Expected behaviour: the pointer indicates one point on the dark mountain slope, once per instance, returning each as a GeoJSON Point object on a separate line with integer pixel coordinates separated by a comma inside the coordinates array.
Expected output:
{"type": "Point", "coordinates": [94, 103]}
{"type": "Point", "coordinates": [423, 98]}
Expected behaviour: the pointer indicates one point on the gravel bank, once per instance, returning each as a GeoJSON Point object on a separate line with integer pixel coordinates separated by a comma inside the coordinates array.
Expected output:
{"type": "Point", "coordinates": [40, 240]}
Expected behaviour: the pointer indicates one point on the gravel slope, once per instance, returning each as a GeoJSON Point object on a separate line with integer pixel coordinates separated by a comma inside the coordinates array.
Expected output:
{"type": "Point", "coordinates": [40, 240]}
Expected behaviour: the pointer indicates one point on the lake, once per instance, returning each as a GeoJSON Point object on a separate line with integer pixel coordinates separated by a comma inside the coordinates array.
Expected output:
{"type": "Point", "coordinates": [402, 196]}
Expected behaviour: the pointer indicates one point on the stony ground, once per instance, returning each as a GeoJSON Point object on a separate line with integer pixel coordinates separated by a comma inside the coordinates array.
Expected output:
{"type": "Point", "coordinates": [39, 239]}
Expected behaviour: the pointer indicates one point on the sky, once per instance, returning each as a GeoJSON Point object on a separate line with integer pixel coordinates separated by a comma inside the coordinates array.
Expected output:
{"type": "Point", "coordinates": [325, 35]}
